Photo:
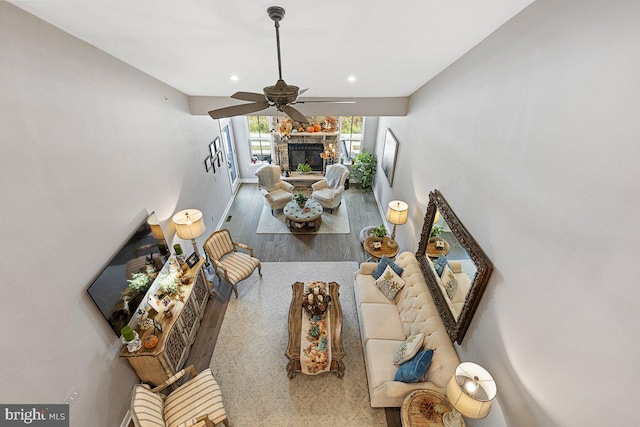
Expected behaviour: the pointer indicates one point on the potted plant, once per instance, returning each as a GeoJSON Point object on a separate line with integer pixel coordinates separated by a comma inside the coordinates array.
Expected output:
{"type": "Point", "coordinates": [435, 230]}
{"type": "Point", "coordinates": [304, 168]}
{"type": "Point", "coordinates": [301, 199]}
{"type": "Point", "coordinates": [379, 233]}
{"type": "Point", "coordinates": [364, 169]}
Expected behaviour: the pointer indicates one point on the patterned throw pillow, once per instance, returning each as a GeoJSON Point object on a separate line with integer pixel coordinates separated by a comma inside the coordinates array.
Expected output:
{"type": "Point", "coordinates": [389, 283]}
{"type": "Point", "coordinates": [408, 349]}
{"type": "Point", "coordinates": [449, 282]}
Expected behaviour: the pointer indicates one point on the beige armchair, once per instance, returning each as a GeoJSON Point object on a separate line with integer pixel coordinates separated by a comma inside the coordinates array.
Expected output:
{"type": "Point", "coordinates": [277, 193]}
{"type": "Point", "coordinates": [328, 191]}
{"type": "Point", "coordinates": [234, 266]}
{"type": "Point", "coordinates": [197, 403]}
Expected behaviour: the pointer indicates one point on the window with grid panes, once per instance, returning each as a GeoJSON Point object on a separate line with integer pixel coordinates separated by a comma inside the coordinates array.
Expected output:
{"type": "Point", "coordinates": [260, 138]}
{"type": "Point", "coordinates": [351, 135]}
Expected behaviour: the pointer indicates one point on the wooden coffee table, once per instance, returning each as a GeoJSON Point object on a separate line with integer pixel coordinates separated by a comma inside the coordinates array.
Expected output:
{"type": "Point", "coordinates": [433, 252]}
{"type": "Point", "coordinates": [307, 218]}
{"type": "Point", "coordinates": [424, 408]}
{"type": "Point", "coordinates": [295, 324]}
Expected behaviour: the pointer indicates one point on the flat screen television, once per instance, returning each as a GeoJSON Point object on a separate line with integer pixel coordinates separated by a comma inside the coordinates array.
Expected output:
{"type": "Point", "coordinates": [110, 291]}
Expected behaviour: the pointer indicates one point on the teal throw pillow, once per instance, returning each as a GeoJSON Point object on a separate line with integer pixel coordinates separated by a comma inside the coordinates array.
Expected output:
{"type": "Point", "coordinates": [412, 370]}
{"type": "Point", "coordinates": [439, 264]}
{"type": "Point", "coordinates": [382, 264]}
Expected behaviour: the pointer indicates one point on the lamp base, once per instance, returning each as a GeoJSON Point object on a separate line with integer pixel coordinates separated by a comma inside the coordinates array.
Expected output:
{"type": "Point", "coordinates": [392, 244]}
{"type": "Point", "coordinates": [453, 419]}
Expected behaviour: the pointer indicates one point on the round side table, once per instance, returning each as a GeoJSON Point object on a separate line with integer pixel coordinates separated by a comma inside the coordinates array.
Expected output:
{"type": "Point", "coordinates": [376, 254]}
{"type": "Point", "coordinates": [424, 408]}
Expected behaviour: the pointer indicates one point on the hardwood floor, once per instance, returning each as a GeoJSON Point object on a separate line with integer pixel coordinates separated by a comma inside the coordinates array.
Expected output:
{"type": "Point", "coordinates": [242, 222]}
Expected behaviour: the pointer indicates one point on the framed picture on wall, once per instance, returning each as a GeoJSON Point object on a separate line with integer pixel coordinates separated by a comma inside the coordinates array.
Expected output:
{"type": "Point", "coordinates": [218, 158]}
{"type": "Point", "coordinates": [216, 144]}
{"type": "Point", "coordinates": [212, 149]}
{"type": "Point", "coordinates": [207, 164]}
{"type": "Point", "coordinates": [389, 155]}
{"type": "Point", "coordinates": [213, 163]}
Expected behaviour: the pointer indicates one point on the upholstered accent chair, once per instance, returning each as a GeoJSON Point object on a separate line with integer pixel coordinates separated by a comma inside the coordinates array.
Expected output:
{"type": "Point", "coordinates": [198, 402]}
{"type": "Point", "coordinates": [227, 262]}
{"type": "Point", "coordinates": [276, 193]}
{"type": "Point", "coordinates": [328, 191]}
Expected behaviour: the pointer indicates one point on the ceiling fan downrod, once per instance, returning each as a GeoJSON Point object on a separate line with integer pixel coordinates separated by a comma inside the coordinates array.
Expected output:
{"type": "Point", "coordinates": [276, 13]}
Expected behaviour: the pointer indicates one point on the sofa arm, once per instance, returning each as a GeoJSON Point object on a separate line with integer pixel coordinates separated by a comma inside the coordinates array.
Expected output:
{"type": "Point", "coordinates": [319, 185]}
{"type": "Point", "coordinates": [366, 268]}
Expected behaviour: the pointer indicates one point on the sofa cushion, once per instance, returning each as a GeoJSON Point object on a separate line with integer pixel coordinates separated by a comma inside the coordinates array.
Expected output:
{"type": "Point", "coordinates": [366, 291]}
{"type": "Point", "coordinates": [371, 325]}
{"type": "Point", "coordinates": [389, 283]}
{"type": "Point", "coordinates": [382, 265]}
{"type": "Point", "coordinates": [378, 354]}
{"type": "Point", "coordinates": [199, 396]}
{"type": "Point", "coordinates": [146, 407]}
{"type": "Point", "coordinates": [408, 349]}
{"type": "Point", "coordinates": [412, 370]}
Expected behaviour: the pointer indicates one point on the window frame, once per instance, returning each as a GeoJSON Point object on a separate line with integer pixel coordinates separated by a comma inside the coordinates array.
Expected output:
{"type": "Point", "coordinates": [262, 140]}
{"type": "Point", "coordinates": [347, 143]}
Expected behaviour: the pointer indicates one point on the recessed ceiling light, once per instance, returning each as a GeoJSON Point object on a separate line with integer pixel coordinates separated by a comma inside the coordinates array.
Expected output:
{"type": "Point", "coordinates": [234, 78]}
{"type": "Point", "coordinates": [351, 79]}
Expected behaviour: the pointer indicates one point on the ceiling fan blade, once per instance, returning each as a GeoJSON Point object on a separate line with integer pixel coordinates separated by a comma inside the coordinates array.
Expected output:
{"type": "Point", "coordinates": [238, 110]}
{"type": "Point", "coordinates": [331, 102]}
{"type": "Point", "coordinates": [303, 91]}
{"type": "Point", "coordinates": [249, 96]}
{"type": "Point", "coordinates": [294, 114]}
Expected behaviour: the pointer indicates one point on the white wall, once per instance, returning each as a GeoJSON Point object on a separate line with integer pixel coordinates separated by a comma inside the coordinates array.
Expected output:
{"type": "Point", "coordinates": [89, 146]}
{"type": "Point", "coordinates": [533, 139]}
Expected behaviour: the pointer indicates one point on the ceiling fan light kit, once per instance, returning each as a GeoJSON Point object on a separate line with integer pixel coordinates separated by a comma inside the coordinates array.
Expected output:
{"type": "Point", "coordinates": [281, 95]}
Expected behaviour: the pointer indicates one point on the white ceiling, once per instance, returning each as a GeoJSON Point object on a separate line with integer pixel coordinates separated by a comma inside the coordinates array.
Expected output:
{"type": "Point", "coordinates": [392, 48]}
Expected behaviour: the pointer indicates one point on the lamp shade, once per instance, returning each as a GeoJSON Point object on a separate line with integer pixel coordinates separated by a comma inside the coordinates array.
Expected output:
{"type": "Point", "coordinates": [471, 390]}
{"type": "Point", "coordinates": [189, 224]}
{"type": "Point", "coordinates": [397, 212]}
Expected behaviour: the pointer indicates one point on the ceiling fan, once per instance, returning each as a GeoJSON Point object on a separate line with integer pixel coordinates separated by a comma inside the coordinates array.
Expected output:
{"type": "Point", "coordinates": [281, 95]}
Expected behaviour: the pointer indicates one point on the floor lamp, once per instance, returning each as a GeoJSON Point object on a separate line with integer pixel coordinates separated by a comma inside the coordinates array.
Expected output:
{"type": "Point", "coordinates": [189, 226]}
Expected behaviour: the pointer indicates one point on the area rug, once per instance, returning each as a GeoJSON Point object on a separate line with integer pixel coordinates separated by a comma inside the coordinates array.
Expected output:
{"type": "Point", "coordinates": [249, 361]}
{"type": "Point", "coordinates": [332, 223]}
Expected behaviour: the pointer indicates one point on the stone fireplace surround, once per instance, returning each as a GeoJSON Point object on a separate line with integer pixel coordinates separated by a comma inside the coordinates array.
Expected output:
{"type": "Point", "coordinates": [298, 141]}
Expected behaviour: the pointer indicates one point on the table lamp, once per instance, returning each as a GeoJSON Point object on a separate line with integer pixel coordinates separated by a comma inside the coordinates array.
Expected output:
{"type": "Point", "coordinates": [470, 391]}
{"type": "Point", "coordinates": [396, 215]}
{"type": "Point", "coordinates": [189, 226]}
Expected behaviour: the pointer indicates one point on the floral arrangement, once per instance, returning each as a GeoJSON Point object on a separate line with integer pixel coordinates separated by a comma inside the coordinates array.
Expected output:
{"type": "Point", "coordinates": [169, 284]}
{"type": "Point", "coordinates": [139, 282]}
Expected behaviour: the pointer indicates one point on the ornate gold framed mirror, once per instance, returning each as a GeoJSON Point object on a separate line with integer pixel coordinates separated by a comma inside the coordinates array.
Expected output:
{"type": "Point", "coordinates": [454, 266]}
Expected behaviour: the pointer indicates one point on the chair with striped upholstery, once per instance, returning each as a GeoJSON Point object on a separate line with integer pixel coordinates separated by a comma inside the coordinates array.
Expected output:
{"type": "Point", "coordinates": [197, 403]}
{"type": "Point", "coordinates": [234, 266]}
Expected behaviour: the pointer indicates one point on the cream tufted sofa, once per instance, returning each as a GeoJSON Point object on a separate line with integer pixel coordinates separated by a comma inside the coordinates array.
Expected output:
{"type": "Point", "coordinates": [385, 324]}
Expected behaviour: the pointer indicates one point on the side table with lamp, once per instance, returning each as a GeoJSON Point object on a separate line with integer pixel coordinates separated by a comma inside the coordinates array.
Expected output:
{"type": "Point", "coordinates": [470, 392]}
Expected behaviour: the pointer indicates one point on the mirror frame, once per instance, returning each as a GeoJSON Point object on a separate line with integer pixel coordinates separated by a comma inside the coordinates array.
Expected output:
{"type": "Point", "coordinates": [456, 329]}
